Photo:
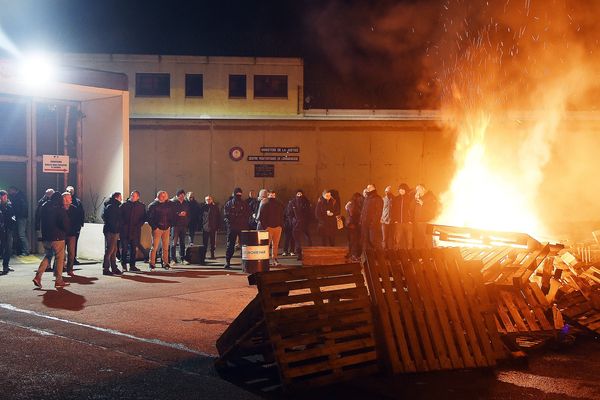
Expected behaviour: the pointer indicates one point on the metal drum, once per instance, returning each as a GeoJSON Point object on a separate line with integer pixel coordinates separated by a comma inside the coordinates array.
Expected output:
{"type": "Point", "coordinates": [255, 251]}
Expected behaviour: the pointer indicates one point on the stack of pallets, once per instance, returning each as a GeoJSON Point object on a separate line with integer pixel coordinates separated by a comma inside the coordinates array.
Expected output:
{"type": "Point", "coordinates": [324, 255]}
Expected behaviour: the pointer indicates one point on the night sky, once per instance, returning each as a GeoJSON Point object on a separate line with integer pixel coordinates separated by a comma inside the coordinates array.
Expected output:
{"type": "Point", "coordinates": [404, 54]}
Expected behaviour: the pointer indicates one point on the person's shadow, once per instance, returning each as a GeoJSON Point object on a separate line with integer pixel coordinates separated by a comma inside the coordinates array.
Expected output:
{"type": "Point", "coordinates": [63, 299]}
{"type": "Point", "coordinates": [80, 280]}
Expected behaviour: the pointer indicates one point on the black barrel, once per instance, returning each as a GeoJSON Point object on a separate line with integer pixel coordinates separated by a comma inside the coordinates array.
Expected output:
{"type": "Point", "coordinates": [255, 251]}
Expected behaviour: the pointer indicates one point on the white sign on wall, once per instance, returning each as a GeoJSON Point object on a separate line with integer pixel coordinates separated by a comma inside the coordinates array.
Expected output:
{"type": "Point", "coordinates": [55, 164]}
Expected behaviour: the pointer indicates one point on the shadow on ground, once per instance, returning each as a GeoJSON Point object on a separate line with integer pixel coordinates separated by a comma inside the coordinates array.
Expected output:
{"type": "Point", "coordinates": [63, 299]}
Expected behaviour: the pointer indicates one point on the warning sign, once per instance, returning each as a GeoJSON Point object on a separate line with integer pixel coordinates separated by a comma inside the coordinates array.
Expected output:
{"type": "Point", "coordinates": [55, 164]}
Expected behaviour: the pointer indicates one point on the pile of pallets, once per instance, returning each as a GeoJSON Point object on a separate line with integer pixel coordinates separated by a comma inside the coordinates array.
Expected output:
{"type": "Point", "coordinates": [433, 310]}
{"type": "Point", "coordinates": [317, 321]}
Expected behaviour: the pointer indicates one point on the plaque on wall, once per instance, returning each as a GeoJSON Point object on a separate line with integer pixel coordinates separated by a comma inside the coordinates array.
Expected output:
{"type": "Point", "coordinates": [274, 158]}
{"type": "Point", "coordinates": [236, 153]}
{"type": "Point", "coordinates": [264, 170]}
{"type": "Point", "coordinates": [286, 150]}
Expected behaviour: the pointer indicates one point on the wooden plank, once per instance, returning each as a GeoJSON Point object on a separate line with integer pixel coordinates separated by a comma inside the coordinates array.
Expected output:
{"type": "Point", "coordinates": [526, 312]}
{"type": "Point", "coordinates": [534, 304]}
{"type": "Point", "coordinates": [328, 349]}
{"type": "Point", "coordinates": [294, 372]}
{"type": "Point", "coordinates": [351, 293]}
{"type": "Point", "coordinates": [319, 337]}
{"type": "Point", "coordinates": [285, 275]}
{"type": "Point", "coordinates": [513, 311]}
{"type": "Point", "coordinates": [322, 282]}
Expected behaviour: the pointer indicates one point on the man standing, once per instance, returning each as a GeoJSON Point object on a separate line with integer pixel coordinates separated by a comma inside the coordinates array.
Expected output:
{"type": "Point", "coordinates": [402, 215]}
{"type": "Point", "coordinates": [38, 209]}
{"type": "Point", "coordinates": [71, 232]}
{"type": "Point", "coordinates": [426, 208]}
{"type": "Point", "coordinates": [270, 217]}
{"type": "Point", "coordinates": [300, 215]}
{"type": "Point", "coordinates": [54, 224]}
{"type": "Point", "coordinates": [211, 221]}
{"type": "Point", "coordinates": [387, 227]}
{"type": "Point", "coordinates": [194, 217]}
{"type": "Point", "coordinates": [181, 215]}
{"type": "Point", "coordinates": [370, 218]}
{"type": "Point", "coordinates": [160, 218]}
{"type": "Point", "coordinates": [79, 216]}
{"type": "Point", "coordinates": [133, 216]}
{"type": "Point", "coordinates": [7, 229]}
{"type": "Point", "coordinates": [21, 208]}
{"type": "Point", "coordinates": [253, 204]}
{"type": "Point", "coordinates": [112, 228]}
{"type": "Point", "coordinates": [237, 214]}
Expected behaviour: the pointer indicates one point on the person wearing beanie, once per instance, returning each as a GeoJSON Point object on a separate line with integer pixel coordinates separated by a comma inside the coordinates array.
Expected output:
{"type": "Point", "coordinates": [236, 214]}
{"type": "Point", "coordinates": [403, 211]}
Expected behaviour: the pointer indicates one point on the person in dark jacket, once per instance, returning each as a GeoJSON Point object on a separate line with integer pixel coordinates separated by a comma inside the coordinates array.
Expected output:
{"type": "Point", "coordinates": [325, 212]}
{"type": "Point", "coordinates": [112, 228]}
{"type": "Point", "coordinates": [54, 225]}
{"type": "Point", "coordinates": [79, 218]}
{"type": "Point", "coordinates": [8, 226]}
{"type": "Point", "coordinates": [71, 232]}
{"type": "Point", "coordinates": [21, 207]}
{"type": "Point", "coordinates": [370, 217]}
{"type": "Point", "coordinates": [237, 214]}
{"type": "Point", "coordinates": [426, 209]}
{"type": "Point", "coordinates": [195, 223]}
{"type": "Point", "coordinates": [160, 219]}
{"type": "Point", "coordinates": [289, 246]}
{"type": "Point", "coordinates": [210, 216]}
{"type": "Point", "coordinates": [353, 209]}
{"type": "Point", "coordinates": [253, 204]}
{"type": "Point", "coordinates": [270, 218]}
{"type": "Point", "coordinates": [181, 220]}
{"type": "Point", "coordinates": [387, 226]}
{"type": "Point", "coordinates": [38, 210]}
{"type": "Point", "coordinates": [300, 218]}
{"type": "Point", "coordinates": [133, 216]}
{"type": "Point", "coordinates": [402, 216]}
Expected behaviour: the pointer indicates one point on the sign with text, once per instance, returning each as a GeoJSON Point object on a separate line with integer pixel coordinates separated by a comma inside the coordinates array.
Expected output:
{"type": "Point", "coordinates": [280, 150]}
{"type": "Point", "coordinates": [274, 158]}
{"type": "Point", "coordinates": [264, 170]}
{"type": "Point", "coordinates": [55, 164]}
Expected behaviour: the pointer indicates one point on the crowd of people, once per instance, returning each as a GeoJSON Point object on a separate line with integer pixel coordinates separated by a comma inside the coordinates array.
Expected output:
{"type": "Point", "coordinates": [394, 220]}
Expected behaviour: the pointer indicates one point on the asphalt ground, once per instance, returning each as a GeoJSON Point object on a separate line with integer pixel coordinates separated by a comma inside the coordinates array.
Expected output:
{"type": "Point", "coordinates": [152, 336]}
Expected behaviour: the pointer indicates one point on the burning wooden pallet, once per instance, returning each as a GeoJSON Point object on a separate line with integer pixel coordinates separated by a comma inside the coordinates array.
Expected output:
{"type": "Point", "coordinates": [318, 323]}
{"type": "Point", "coordinates": [579, 298]}
{"type": "Point", "coordinates": [433, 310]}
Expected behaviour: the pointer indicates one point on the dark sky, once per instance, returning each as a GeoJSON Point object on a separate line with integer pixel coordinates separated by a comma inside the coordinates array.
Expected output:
{"type": "Point", "coordinates": [338, 72]}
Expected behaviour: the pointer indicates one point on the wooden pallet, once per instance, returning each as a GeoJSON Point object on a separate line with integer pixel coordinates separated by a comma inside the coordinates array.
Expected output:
{"type": "Point", "coordinates": [433, 310]}
{"type": "Point", "coordinates": [323, 255]}
{"type": "Point", "coordinates": [580, 309]}
{"type": "Point", "coordinates": [319, 324]}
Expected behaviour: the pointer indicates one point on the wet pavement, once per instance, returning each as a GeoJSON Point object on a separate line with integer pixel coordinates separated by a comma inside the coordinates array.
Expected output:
{"type": "Point", "coordinates": [152, 336]}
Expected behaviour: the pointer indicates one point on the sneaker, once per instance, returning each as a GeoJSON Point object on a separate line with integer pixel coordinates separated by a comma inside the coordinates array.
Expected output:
{"type": "Point", "coordinates": [285, 254]}
{"type": "Point", "coordinates": [76, 262]}
{"type": "Point", "coordinates": [166, 266]}
{"type": "Point", "coordinates": [37, 281]}
{"type": "Point", "coordinates": [212, 256]}
{"type": "Point", "coordinates": [151, 267]}
{"type": "Point", "coordinates": [71, 273]}
{"type": "Point", "coordinates": [292, 254]}
{"type": "Point", "coordinates": [107, 272]}
{"type": "Point", "coordinates": [116, 271]}
{"type": "Point", "coordinates": [227, 265]}
{"type": "Point", "coordinates": [134, 269]}
{"type": "Point", "coordinates": [59, 284]}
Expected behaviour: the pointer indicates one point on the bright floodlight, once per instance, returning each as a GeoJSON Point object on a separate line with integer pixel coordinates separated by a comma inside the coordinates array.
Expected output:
{"type": "Point", "coordinates": [37, 69]}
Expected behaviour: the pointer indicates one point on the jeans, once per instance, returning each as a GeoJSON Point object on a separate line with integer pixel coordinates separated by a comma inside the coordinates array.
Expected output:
{"type": "Point", "coordinates": [209, 236]}
{"type": "Point", "coordinates": [232, 236]}
{"type": "Point", "coordinates": [110, 251]}
{"type": "Point", "coordinates": [70, 245]}
{"type": "Point", "coordinates": [300, 233]}
{"type": "Point", "coordinates": [387, 231]}
{"type": "Point", "coordinates": [57, 249]}
{"type": "Point", "coordinates": [160, 236]}
{"type": "Point", "coordinates": [354, 240]}
{"type": "Point", "coordinates": [404, 235]}
{"type": "Point", "coordinates": [289, 246]}
{"type": "Point", "coordinates": [178, 234]}
{"type": "Point", "coordinates": [6, 244]}
{"type": "Point", "coordinates": [129, 250]}
{"type": "Point", "coordinates": [22, 235]}
{"type": "Point", "coordinates": [420, 237]}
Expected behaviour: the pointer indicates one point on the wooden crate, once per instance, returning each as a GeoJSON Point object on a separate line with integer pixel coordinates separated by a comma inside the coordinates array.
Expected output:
{"type": "Point", "coordinates": [433, 310]}
{"type": "Point", "coordinates": [324, 255]}
{"type": "Point", "coordinates": [319, 323]}
{"type": "Point", "coordinates": [580, 309]}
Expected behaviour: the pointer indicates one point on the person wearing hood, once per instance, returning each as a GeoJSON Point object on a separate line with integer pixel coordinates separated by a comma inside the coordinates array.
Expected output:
{"type": "Point", "coordinates": [370, 220]}
{"type": "Point", "coordinates": [210, 217]}
{"type": "Point", "coordinates": [299, 213]}
{"type": "Point", "coordinates": [111, 215]}
{"type": "Point", "coordinates": [7, 228]}
{"type": "Point", "coordinates": [181, 215]}
{"type": "Point", "coordinates": [326, 212]}
{"type": "Point", "coordinates": [133, 217]}
{"type": "Point", "coordinates": [160, 219]}
{"type": "Point", "coordinates": [387, 227]}
{"type": "Point", "coordinates": [54, 226]}
{"type": "Point", "coordinates": [236, 214]}
{"type": "Point", "coordinates": [403, 211]}
{"type": "Point", "coordinates": [253, 204]}
{"type": "Point", "coordinates": [195, 218]}
{"type": "Point", "coordinates": [426, 208]}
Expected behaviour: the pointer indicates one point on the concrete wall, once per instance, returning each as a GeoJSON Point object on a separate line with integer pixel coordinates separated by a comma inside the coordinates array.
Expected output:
{"type": "Point", "coordinates": [215, 70]}
{"type": "Point", "coordinates": [105, 147]}
{"type": "Point", "coordinates": [344, 155]}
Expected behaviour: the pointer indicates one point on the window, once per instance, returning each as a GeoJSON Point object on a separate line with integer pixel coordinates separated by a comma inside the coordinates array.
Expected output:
{"type": "Point", "coordinates": [237, 86]}
{"type": "Point", "coordinates": [271, 86]}
{"type": "Point", "coordinates": [194, 85]}
{"type": "Point", "coordinates": [152, 85]}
